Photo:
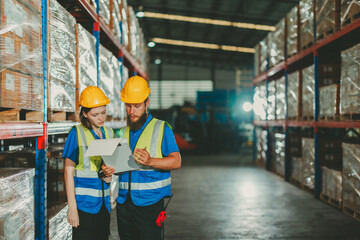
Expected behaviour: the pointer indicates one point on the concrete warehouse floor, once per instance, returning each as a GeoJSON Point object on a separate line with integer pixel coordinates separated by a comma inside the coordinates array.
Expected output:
{"type": "Point", "coordinates": [226, 197]}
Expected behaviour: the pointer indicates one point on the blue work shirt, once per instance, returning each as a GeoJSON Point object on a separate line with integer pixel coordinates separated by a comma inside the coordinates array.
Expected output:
{"type": "Point", "coordinates": [71, 148]}
{"type": "Point", "coordinates": [168, 144]}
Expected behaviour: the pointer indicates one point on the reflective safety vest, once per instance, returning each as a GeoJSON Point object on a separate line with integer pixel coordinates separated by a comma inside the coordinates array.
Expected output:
{"type": "Point", "coordinates": [89, 189]}
{"type": "Point", "coordinates": [148, 185]}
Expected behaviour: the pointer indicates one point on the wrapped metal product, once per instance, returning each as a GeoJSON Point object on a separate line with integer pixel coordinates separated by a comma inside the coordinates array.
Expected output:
{"type": "Point", "coordinates": [280, 153]}
{"type": "Point", "coordinates": [116, 20]}
{"type": "Point", "coordinates": [308, 91]}
{"type": "Point", "coordinates": [105, 11]}
{"type": "Point", "coordinates": [292, 32]}
{"type": "Point", "coordinates": [331, 183]}
{"type": "Point", "coordinates": [351, 176]}
{"type": "Point", "coordinates": [306, 23]}
{"type": "Point", "coordinates": [292, 94]}
{"type": "Point", "coordinates": [117, 87]}
{"type": "Point", "coordinates": [328, 101]}
{"type": "Point", "coordinates": [308, 157]}
{"type": "Point", "coordinates": [133, 25]}
{"type": "Point", "coordinates": [264, 55]}
{"type": "Point", "coordinates": [86, 59]}
{"type": "Point", "coordinates": [350, 81]}
{"type": "Point", "coordinates": [271, 106]}
{"type": "Point", "coordinates": [261, 146]}
{"type": "Point", "coordinates": [297, 169]}
{"type": "Point", "coordinates": [125, 76]}
{"type": "Point", "coordinates": [124, 23]}
{"type": "Point", "coordinates": [59, 228]}
{"type": "Point", "coordinates": [325, 18]}
{"type": "Point", "coordinates": [17, 211]}
{"type": "Point", "coordinates": [62, 58]}
{"type": "Point", "coordinates": [276, 44]}
{"type": "Point", "coordinates": [280, 98]}
{"type": "Point", "coordinates": [260, 101]}
{"type": "Point", "coordinates": [349, 9]}
{"type": "Point", "coordinates": [107, 77]}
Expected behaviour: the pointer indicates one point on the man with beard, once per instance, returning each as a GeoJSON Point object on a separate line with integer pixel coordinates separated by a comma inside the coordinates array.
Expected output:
{"type": "Point", "coordinates": [141, 193]}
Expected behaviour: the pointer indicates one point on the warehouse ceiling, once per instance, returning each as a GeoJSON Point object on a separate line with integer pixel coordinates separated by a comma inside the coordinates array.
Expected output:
{"type": "Point", "coordinates": [264, 12]}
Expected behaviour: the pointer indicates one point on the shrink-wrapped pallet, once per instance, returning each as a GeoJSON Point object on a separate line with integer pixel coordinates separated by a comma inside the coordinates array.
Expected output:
{"type": "Point", "coordinates": [280, 98]}
{"type": "Point", "coordinates": [116, 20]}
{"type": "Point", "coordinates": [331, 181]}
{"type": "Point", "coordinates": [350, 10]}
{"type": "Point", "coordinates": [125, 76]}
{"type": "Point", "coordinates": [308, 91]}
{"type": "Point", "coordinates": [350, 81]}
{"type": "Point", "coordinates": [59, 228]}
{"type": "Point", "coordinates": [107, 77]}
{"type": "Point", "coordinates": [105, 10]}
{"type": "Point", "coordinates": [117, 87]}
{"type": "Point", "coordinates": [21, 54]}
{"type": "Point", "coordinates": [264, 55]}
{"type": "Point", "coordinates": [306, 23]}
{"type": "Point", "coordinates": [62, 59]}
{"type": "Point", "coordinates": [279, 159]}
{"type": "Point", "coordinates": [271, 100]}
{"type": "Point", "coordinates": [327, 17]}
{"type": "Point", "coordinates": [87, 73]}
{"type": "Point", "coordinates": [257, 60]}
{"type": "Point", "coordinates": [351, 176]}
{"type": "Point", "coordinates": [292, 32]}
{"type": "Point", "coordinates": [328, 101]}
{"type": "Point", "coordinates": [308, 157]}
{"type": "Point", "coordinates": [276, 44]}
{"type": "Point", "coordinates": [261, 146]}
{"type": "Point", "coordinates": [17, 212]}
{"type": "Point", "coordinates": [133, 33]}
{"type": "Point", "coordinates": [260, 101]}
{"type": "Point", "coordinates": [292, 94]}
{"type": "Point", "coordinates": [124, 23]}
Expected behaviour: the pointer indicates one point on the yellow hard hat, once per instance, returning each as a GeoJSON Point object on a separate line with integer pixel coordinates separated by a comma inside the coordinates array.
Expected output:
{"type": "Point", "coordinates": [136, 90]}
{"type": "Point", "coordinates": [93, 97]}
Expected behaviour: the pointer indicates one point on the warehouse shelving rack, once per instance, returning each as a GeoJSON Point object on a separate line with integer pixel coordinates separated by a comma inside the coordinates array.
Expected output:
{"type": "Point", "coordinates": [338, 41]}
{"type": "Point", "coordinates": [41, 130]}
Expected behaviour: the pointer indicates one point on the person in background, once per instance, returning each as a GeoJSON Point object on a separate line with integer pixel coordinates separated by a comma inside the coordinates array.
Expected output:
{"type": "Point", "coordinates": [141, 193]}
{"type": "Point", "coordinates": [87, 187]}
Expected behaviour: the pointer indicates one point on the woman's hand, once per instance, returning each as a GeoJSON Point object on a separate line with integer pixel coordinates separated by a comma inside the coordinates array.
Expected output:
{"type": "Point", "coordinates": [73, 217]}
{"type": "Point", "coordinates": [108, 171]}
{"type": "Point", "coordinates": [107, 179]}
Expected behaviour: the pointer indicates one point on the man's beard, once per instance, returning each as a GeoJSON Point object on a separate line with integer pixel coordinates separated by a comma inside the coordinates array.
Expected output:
{"type": "Point", "coordinates": [134, 126]}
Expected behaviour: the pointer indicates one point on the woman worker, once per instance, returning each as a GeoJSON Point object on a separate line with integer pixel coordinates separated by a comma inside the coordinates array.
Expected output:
{"type": "Point", "coordinates": [87, 187]}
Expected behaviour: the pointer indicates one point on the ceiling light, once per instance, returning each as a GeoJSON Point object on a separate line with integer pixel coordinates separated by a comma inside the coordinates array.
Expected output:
{"type": "Point", "coordinates": [209, 21]}
{"type": "Point", "coordinates": [157, 61]}
{"type": "Point", "coordinates": [140, 14]}
{"type": "Point", "coordinates": [151, 44]}
{"type": "Point", "coordinates": [203, 45]}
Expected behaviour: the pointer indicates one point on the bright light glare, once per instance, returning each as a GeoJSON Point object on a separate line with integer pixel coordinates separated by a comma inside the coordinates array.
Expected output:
{"type": "Point", "coordinates": [140, 14]}
{"type": "Point", "coordinates": [157, 61]}
{"type": "Point", "coordinates": [247, 107]}
{"type": "Point", "coordinates": [151, 44]}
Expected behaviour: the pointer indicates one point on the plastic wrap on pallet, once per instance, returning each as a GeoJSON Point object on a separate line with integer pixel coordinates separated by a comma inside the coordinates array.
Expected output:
{"type": "Point", "coordinates": [350, 10]}
{"type": "Point", "coordinates": [87, 58]}
{"type": "Point", "coordinates": [325, 18]}
{"type": "Point", "coordinates": [276, 44]}
{"type": "Point", "coordinates": [107, 77]}
{"type": "Point", "coordinates": [271, 106]}
{"type": "Point", "coordinates": [116, 18]}
{"type": "Point", "coordinates": [280, 98]}
{"type": "Point", "coordinates": [105, 11]}
{"type": "Point", "coordinates": [331, 183]}
{"type": "Point", "coordinates": [117, 87]}
{"type": "Point", "coordinates": [257, 59]}
{"type": "Point", "coordinates": [296, 173]}
{"type": "Point", "coordinates": [350, 81]}
{"type": "Point", "coordinates": [308, 157]}
{"type": "Point", "coordinates": [133, 25]}
{"type": "Point", "coordinates": [280, 153]}
{"type": "Point", "coordinates": [59, 228]}
{"type": "Point", "coordinates": [306, 23]}
{"type": "Point", "coordinates": [292, 31]}
{"type": "Point", "coordinates": [17, 211]}
{"type": "Point", "coordinates": [124, 23]}
{"type": "Point", "coordinates": [263, 55]}
{"type": "Point", "coordinates": [261, 146]}
{"type": "Point", "coordinates": [62, 58]}
{"type": "Point", "coordinates": [328, 101]}
{"type": "Point", "coordinates": [308, 91]}
{"type": "Point", "coordinates": [260, 101]}
{"type": "Point", "coordinates": [292, 94]}
{"type": "Point", "coordinates": [125, 76]}
{"type": "Point", "coordinates": [351, 176]}
{"type": "Point", "coordinates": [21, 54]}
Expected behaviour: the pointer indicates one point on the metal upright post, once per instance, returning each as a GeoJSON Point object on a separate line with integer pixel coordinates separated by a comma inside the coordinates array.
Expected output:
{"type": "Point", "coordinates": [316, 132]}
{"type": "Point", "coordinates": [287, 158]}
{"type": "Point", "coordinates": [96, 33]}
{"type": "Point", "coordinates": [268, 156]}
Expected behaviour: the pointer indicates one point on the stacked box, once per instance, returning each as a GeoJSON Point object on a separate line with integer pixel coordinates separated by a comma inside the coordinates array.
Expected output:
{"type": "Point", "coordinates": [55, 181]}
{"type": "Point", "coordinates": [292, 95]}
{"type": "Point", "coordinates": [261, 146]}
{"type": "Point", "coordinates": [264, 55]}
{"type": "Point", "coordinates": [20, 54]}
{"type": "Point", "coordinates": [116, 20]}
{"type": "Point", "coordinates": [280, 98]}
{"type": "Point", "coordinates": [349, 9]}
{"type": "Point", "coordinates": [105, 10]}
{"type": "Point", "coordinates": [59, 228]}
{"type": "Point", "coordinates": [306, 23]}
{"type": "Point", "coordinates": [62, 59]}
{"type": "Point", "coordinates": [308, 91]}
{"type": "Point", "coordinates": [17, 211]}
{"type": "Point", "coordinates": [331, 183]}
{"type": "Point", "coordinates": [308, 157]}
{"type": "Point", "coordinates": [292, 32]}
{"type": "Point", "coordinates": [350, 81]}
{"type": "Point", "coordinates": [350, 175]}
{"type": "Point", "coordinates": [271, 106]}
{"type": "Point", "coordinates": [117, 87]}
{"type": "Point", "coordinates": [107, 77]}
{"type": "Point", "coordinates": [279, 159]}
{"type": "Point", "coordinates": [328, 100]}
{"type": "Point", "coordinates": [296, 173]}
{"type": "Point", "coordinates": [276, 44]}
{"type": "Point", "coordinates": [327, 17]}
{"type": "Point", "coordinates": [260, 101]}
{"type": "Point", "coordinates": [124, 23]}
{"type": "Point", "coordinates": [86, 71]}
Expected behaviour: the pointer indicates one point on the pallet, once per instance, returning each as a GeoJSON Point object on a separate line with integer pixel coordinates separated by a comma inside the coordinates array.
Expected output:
{"type": "Point", "coordinates": [61, 116]}
{"type": "Point", "coordinates": [350, 212]}
{"type": "Point", "coordinates": [332, 202]}
{"type": "Point", "coordinates": [307, 45]}
{"type": "Point", "coordinates": [350, 20]}
{"type": "Point", "coordinates": [306, 118]}
{"type": "Point", "coordinates": [325, 34]}
{"type": "Point", "coordinates": [301, 186]}
{"type": "Point", "coordinates": [23, 115]}
{"type": "Point", "coordinates": [350, 116]}
{"type": "Point", "coordinates": [335, 117]}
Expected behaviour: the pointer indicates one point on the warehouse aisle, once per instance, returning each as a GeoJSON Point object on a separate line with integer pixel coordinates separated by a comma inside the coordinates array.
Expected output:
{"type": "Point", "coordinates": [234, 200]}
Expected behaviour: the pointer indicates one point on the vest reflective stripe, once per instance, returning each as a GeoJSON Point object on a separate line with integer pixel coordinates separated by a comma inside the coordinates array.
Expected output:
{"type": "Point", "coordinates": [87, 174]}
{"type": "Point", "coordinates": [154, 138]}
{"type": "Point", "coordinates": [91, 192]}
{"type": "Point", "coordinates": [146, 186]}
